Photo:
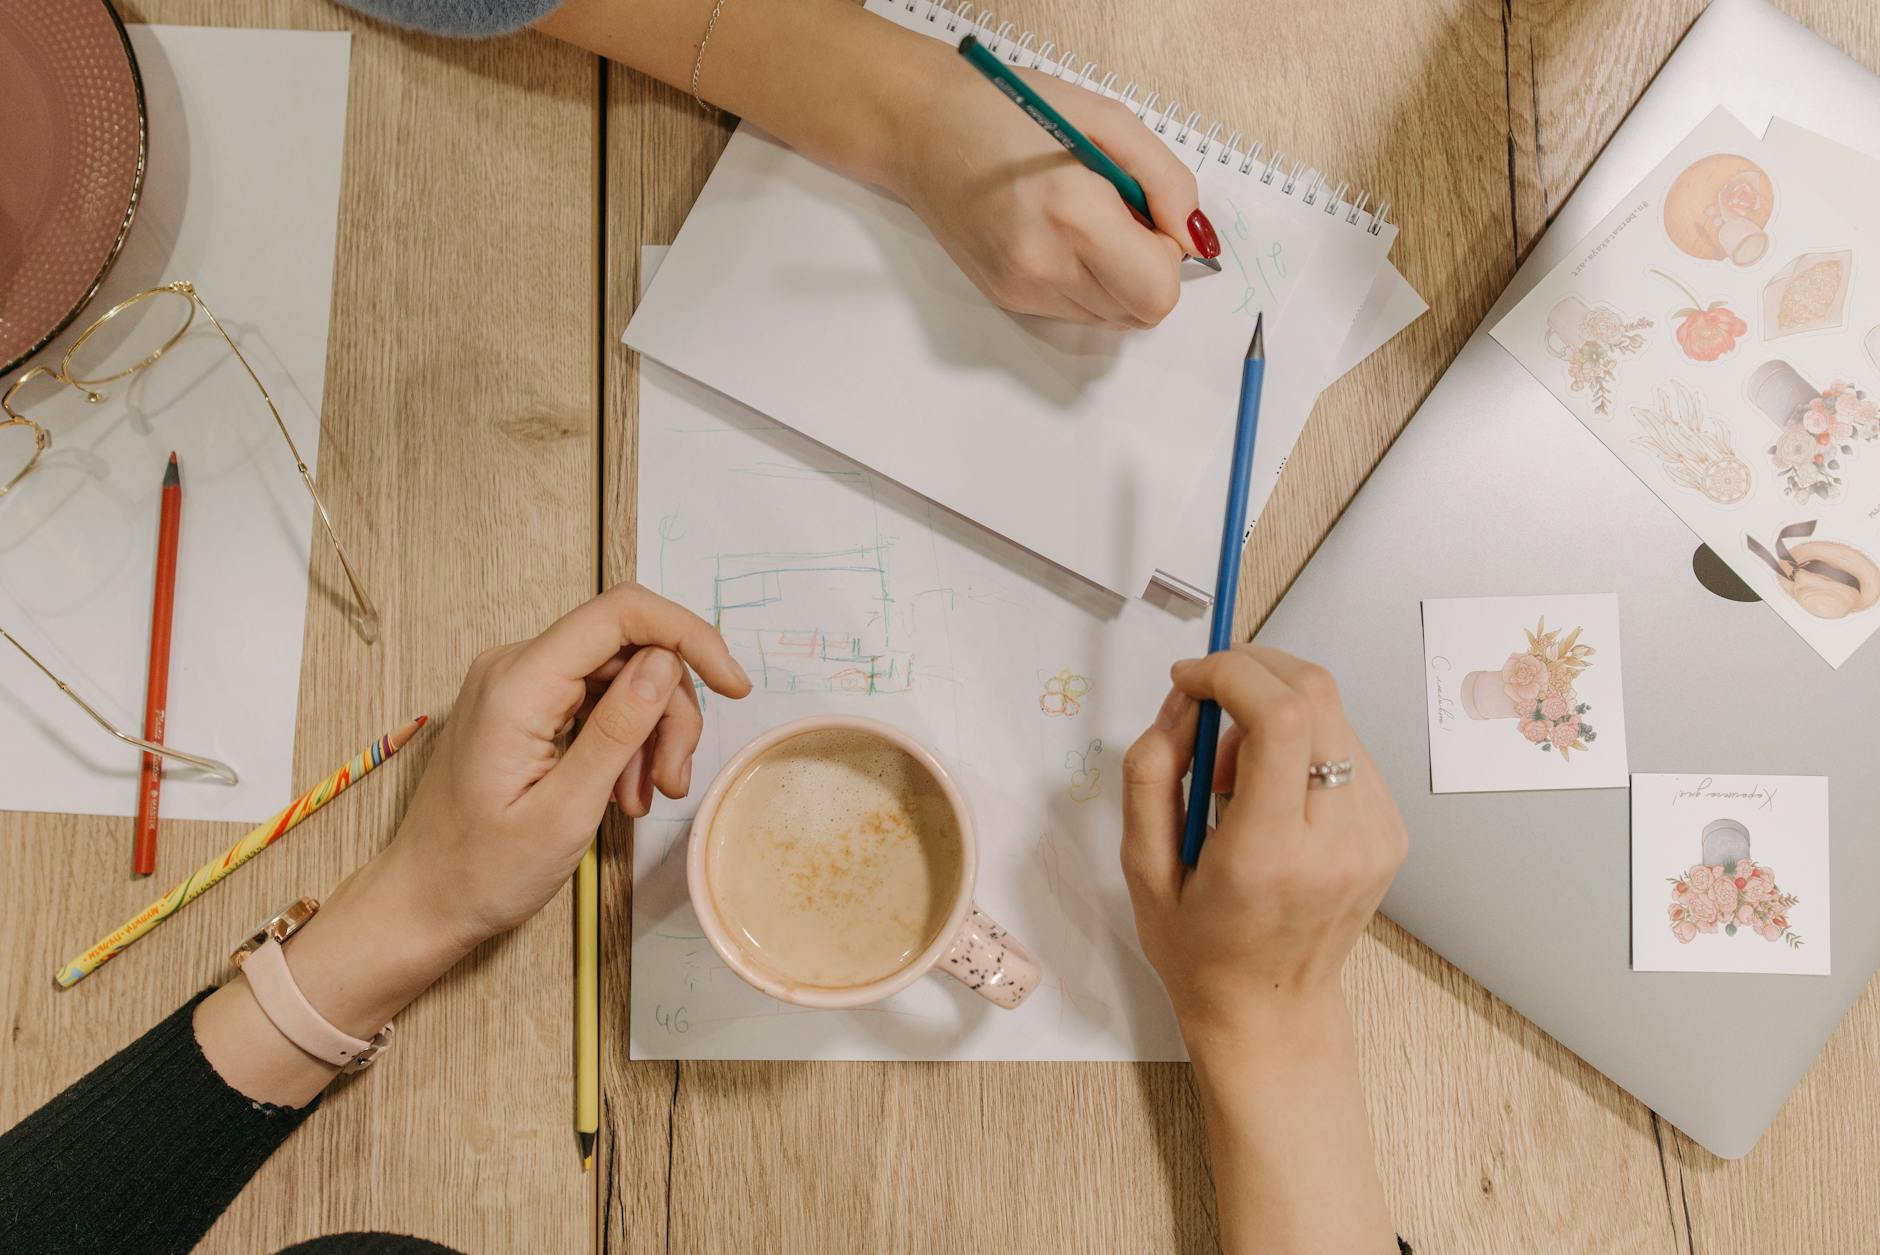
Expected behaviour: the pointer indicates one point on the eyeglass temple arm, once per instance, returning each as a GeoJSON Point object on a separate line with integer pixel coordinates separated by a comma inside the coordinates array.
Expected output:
{"type": "Point", "coordinates": [220, 770]}
{"type": "Point", "coordinates": [367, 619]}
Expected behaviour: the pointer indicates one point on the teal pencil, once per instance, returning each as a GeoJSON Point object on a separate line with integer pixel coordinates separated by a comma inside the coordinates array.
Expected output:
{"type": "Point", "coordinates": [1057, 126]}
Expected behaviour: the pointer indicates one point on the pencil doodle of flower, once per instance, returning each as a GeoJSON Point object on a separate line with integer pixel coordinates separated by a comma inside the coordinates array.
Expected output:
{"type": "Point", "coordinates": [1063, 694]}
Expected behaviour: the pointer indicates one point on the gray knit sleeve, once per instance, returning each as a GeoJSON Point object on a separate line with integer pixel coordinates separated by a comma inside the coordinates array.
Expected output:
{"type": "Point", "coordinates": [468, 18]}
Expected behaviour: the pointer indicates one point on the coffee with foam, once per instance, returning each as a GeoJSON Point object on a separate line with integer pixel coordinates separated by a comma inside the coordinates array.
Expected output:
{"type": "Point", "coordinates": [835, 859]}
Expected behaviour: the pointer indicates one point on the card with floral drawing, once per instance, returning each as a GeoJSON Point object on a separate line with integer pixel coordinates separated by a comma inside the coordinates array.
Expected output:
{"type": "Point", "coordinates": [1524, 693]}
{"type": "Point", "coordinates": [1710, 333]}
{"type": "Point", "coordinates": [1730, 874]}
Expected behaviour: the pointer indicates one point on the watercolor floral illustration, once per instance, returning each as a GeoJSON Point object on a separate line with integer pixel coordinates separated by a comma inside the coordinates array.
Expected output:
{"type": "Point", "coordinates": [1605, 337]}
{"type": "Point", "coordinates": [1064, 694]}
{"type": "Point", "coordinates": [1540, 685]}
{"type": "Point", "coordinates": [1705, 332]}
{"type": "Point", "coordinates": [1817, 435]}
{"type": "Point", "coordinates": [1738, 895]}
{"type": "Point", "coordinates": [1695, 450]}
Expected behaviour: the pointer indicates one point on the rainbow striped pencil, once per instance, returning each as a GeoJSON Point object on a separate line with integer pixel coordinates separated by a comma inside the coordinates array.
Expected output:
{"type": "Point", "coordinates": [256, 841]}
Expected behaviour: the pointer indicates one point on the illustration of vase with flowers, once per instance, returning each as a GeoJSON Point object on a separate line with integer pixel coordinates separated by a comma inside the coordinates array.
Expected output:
{"type": "Point", "coordinates": [1729, 892]}
{"type": "Point", "coordinates": [1536, 690]}
{"type": "Point", "coordinates": [1817, 428]}
{"type": "Point", "coordinates": [1591, 339]}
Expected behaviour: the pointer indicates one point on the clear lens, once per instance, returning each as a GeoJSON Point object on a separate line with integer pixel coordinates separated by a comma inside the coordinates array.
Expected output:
{"type": "Point", "coordinates": [130, 338]}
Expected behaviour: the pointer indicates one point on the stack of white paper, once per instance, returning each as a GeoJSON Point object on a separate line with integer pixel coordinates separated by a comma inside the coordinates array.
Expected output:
{"type": "Point", "coordinates": [827, 306]}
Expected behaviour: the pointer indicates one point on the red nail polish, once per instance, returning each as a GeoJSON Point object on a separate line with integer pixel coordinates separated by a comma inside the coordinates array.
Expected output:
{"type": "Point", "coordinates": [1201, 231]}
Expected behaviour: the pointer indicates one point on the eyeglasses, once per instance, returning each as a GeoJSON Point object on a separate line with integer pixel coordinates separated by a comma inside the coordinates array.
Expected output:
{"type": "Point", "coordinates": [164, 315]}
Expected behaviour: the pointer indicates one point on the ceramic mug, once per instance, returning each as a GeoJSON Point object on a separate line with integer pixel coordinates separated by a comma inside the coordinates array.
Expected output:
{"type": "Point", "coordinates": [1740, 238]}
{"type": "Point", "coordinates": [969, 947]}
{"type": "Point", "coordinates": [1564, 336]}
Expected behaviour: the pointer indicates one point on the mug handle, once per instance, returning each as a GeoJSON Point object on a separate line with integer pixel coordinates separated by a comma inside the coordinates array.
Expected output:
{"type": "Point", "coordinates": [1551, 339]}
{"type": "Point", "coordinates": [991, 962]}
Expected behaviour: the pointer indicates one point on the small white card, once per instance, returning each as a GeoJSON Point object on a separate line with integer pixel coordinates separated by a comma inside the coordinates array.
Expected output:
{"type": "Point", "coordinates": [1730, 874]}
{"type": "Point", "coordinates": [1524, 693]}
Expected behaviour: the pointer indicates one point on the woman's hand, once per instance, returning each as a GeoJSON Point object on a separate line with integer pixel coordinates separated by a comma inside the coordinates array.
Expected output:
{"type": "Point", "coordinates": [1037, 232]}
{"type": "Point", "coordinates": [1030, 226]}
{"type": "Point", "coordinates": [503, 814]}
{"type": "Point", "coordinates": [1291, 876]}
{"type": "Point", "coordinates": [1249, 943]}
{"type": "Point", "coordinates": [500, 820]}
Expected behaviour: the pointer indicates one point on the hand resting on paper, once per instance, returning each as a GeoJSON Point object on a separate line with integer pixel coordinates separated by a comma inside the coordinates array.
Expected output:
{"type": "Point", "coordinates": [500, 819]}
{"type": "Point", "coordinates": [1250, 942]}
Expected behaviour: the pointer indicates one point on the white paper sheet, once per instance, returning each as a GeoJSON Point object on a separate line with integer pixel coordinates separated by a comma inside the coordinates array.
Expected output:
{"type": "Point", "coordinates": [833, 588]}
{"type": "Point", "coordinates": [828, 306]}
{"type": "Point", "coordinates": [1735, 386]}
{"type": "Point", "coordinates": [242, 198]}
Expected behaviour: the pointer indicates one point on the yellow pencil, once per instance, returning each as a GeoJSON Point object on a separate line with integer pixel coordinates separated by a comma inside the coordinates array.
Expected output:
{"type": "Point", "coordinates": [587, 1035]}
{"type": "Point", "coordinates": [257, 840]}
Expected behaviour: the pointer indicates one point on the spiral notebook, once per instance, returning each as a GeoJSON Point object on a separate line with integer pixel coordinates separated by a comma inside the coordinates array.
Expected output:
{"type": "Point", "coordinates": [828, 306]}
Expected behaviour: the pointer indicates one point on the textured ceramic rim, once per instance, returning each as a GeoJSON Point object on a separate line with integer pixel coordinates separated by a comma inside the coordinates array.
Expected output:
{"type": "Point", "coordinates": [130, 210]}
{"type": "Point", "coordinates": [698, 881]}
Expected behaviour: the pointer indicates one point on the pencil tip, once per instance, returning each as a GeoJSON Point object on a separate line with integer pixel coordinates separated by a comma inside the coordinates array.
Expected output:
{"type": "Point", "coordinates": [587, 1150]}
{"type": "Point", "coordinates": [1256, 350]}
{"type": "Point", "coordinates": [172, 474]}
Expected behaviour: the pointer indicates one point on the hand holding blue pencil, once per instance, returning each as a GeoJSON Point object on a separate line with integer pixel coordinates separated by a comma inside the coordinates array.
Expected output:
{"type": "Point", "coordinates": [1226, 586]}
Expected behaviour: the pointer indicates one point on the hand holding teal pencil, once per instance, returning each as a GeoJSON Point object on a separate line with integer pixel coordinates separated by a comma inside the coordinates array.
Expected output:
{"type": "Point", "coordinates": [1031, 227]}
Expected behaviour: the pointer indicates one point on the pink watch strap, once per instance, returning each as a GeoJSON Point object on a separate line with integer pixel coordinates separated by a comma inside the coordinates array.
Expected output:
{"type": "Point", "coordinates": [284, 1004]}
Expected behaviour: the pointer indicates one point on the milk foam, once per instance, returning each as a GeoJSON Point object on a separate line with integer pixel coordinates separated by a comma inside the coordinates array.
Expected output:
{"type": "Point", "coordinates": [835, 859]}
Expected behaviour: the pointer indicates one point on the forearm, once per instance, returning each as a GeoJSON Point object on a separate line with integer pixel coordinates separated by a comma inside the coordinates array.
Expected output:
{"type": "Point", "coordinates": [1288, 1136]}
{"type": "Point", "coordinates": [372, 948]}
{"type": "Point", "coordinates": [823, 76]}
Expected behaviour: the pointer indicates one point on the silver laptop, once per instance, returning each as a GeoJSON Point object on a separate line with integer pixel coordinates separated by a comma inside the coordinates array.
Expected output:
{"type": "Point", "coordinates": [1529, 893]}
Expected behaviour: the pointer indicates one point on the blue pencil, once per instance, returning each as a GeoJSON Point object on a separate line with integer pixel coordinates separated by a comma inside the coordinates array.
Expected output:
{"type": "Point", "coordinates": [1226, 585]}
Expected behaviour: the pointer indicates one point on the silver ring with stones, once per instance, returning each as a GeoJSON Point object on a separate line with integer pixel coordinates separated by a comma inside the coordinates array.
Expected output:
{"type": "Point", "coordinates": [1330, 775]}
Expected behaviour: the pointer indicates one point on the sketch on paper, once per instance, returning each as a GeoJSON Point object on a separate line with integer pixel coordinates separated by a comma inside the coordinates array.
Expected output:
{"type": "Point", "coordinates": [1085, 783]}
{"type": "Point", "coordinates": [1064, 694]}
{"type": "Point", "coordinates": [854, 658]}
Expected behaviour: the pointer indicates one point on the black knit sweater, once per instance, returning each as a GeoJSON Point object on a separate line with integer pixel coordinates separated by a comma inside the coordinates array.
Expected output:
{"type": "Point", "coordinates": [181, 1144]}
{"type": "Point", "coordinates": [144, 1152]}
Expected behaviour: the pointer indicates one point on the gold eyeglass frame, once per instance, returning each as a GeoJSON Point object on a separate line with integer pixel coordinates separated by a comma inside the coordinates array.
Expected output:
{"type": "Point", "coordinates": [365, 617]}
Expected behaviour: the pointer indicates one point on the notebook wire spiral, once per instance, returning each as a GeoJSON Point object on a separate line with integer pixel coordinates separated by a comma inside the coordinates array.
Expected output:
{"type": "Point", "coordinates": [1026, 52]}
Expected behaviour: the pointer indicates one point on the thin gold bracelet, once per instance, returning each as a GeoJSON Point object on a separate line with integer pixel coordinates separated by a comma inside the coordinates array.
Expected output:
{"type": "Point", "coordinates": [710, 24]}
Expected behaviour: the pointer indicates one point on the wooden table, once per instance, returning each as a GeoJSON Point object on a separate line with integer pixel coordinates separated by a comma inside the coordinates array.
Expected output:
{"type": "Point", "coordinates": [479, 408]}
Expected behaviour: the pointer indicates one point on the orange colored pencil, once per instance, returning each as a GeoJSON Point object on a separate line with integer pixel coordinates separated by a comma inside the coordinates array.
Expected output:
{"type": "Point", "coordinates": [157, 686]}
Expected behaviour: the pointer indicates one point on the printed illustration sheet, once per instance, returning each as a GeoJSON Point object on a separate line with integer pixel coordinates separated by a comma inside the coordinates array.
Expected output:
{"type": "Point", "coordinates": [1713, 332]}
{"type": "Point", "coordinates": [841, 592]}
{"type": "Point", "coordinates": [1730, 874]}
{"type": "Point", "coordinates": [1524, 693]}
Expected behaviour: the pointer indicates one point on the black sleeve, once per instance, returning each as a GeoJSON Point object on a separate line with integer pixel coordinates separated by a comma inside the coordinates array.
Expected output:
{"type": "Point", "coordinates": [140, 1155]}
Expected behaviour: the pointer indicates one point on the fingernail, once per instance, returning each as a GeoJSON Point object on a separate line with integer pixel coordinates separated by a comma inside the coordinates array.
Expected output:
{"type": "Point", "coordinates": [653, 679]}
{"type": "Point", "coordinates": [1201, 231]}
{"type": "Point", "coordinates": [1171, 712]}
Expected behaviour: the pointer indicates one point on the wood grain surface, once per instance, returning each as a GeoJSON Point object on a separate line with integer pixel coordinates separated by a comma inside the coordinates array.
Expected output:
{"type": "Point", "coordinates": [457, 451]}
{"type": "Point", "coordinates": [480, 416]}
